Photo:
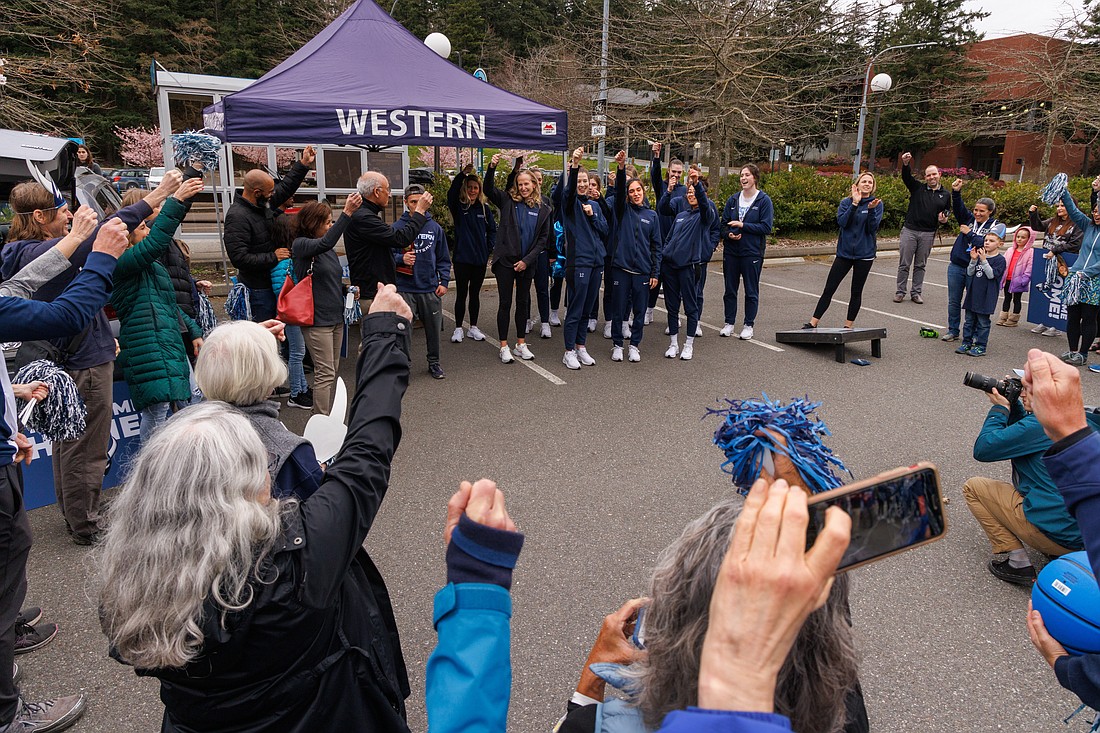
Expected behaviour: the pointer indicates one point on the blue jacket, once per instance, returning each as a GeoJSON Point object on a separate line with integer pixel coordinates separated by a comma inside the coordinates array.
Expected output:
{"type": "Point", "coordinates": [757, 226]}
{"type": "Point", "coordinates": [67, 315]}
{"type": "Point", "coordinates": [660, 187]}
{"type": "Point", "coordinates": [475, 226]}
{"type": "Point", "coordinates": [698, 720]}
{"type": "Point", "coordinates": [637, 246]}
{"type": "Point", "coordinates": [960, 250]}
{"type": "Point", "coordinates": [688, 241]}
{"type": "Point", "coordinates": [433, 260]}
{"type": "Point", "coordinates": [584, 234]}
{"type": "Point", "coordinates": [858, 229]}
{"type": "Point", "coordinates": [983, 292]}
{"type": "Point", "coordinates": [1018, 437]}
{"type": "Point", "coordinates": [1088, 260]}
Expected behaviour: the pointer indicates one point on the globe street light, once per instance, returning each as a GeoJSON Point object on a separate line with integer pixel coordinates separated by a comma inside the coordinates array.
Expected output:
{"type": "Point", "coordinates": [438, 43]}
{"type": "Point", "coordinates": [866, 87]}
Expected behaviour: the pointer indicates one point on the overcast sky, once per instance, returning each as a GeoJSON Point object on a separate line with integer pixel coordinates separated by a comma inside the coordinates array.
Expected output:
{"type": "Point", "coordinates": [1009, 17]}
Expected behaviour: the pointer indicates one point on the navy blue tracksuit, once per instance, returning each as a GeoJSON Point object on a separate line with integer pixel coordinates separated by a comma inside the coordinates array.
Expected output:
{"type": "Point", "coordinates": [635, 260]}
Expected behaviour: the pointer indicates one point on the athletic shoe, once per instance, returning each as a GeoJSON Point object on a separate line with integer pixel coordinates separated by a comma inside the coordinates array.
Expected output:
{"type": "Point", "coordinates": [281, 391]}
{"type": "Point", "coordinates": [1009, 574]}
{"type": "Point", "coordinates": [545, 332]}
{"type": "Point", "coordinates": [570, 360]}
{"type": "Point", "coordinates": [29, 638]}
{"type": "Point", "coordinates": [808, 326]}
{"type": "Point", "coordinates": [686, 353]}
{"type": "Point", "coordinates": [591, 325]}
{"type": "Point", "coordinates": [607, 330]}
{"type": "Point", "coordinates": [632, 354]}
{"type": "Point", "coordinates": [302, 400]}
{"type": "Point", "coordinates": [727, 330]}
{"type": "Point", "coordinates": [47, 716]}
{"type": "Point", "coordinates": [506, 355]}
{"type": "Point", "coordinates": [584, 357]}
{"type": "Point", "coordinates": [1052, 331]}
{"type": "Point", "coordinates": [29, 616]}
{"type": "Point", "coordinates": [1078, 359]}
{"type": "Point", "coordinates": [964, 348]}
{"type": "Point", "coordinates": [530, 323]}
{"type": "Point", "coordinates": [648, 316]}
{"type": "Point", "coordinates": [917, 299]}
{"type": "Point", "coordinates": [1067, 356]}
{"type": "Point", "coordinates": [899, 297]}
{"type": "Point", "coordinates": [616, 353]}
{"type": "Point", "coordinates": [746, 333]}
{"type": "Point", "coordinates": [436, 371]}
{"type": "Point", "coordinates": [1039, 329]}
{"type": "Point", "coordinates": [698, 330]}
{"type": "Point", "coordinates": [668, 331]}
{"type": "Point", "coordinates": [673, 351]}
{"type": "Point", "coordinates": [476, 334]}
{"type": "Point", "coordinates": [949, 336]}
{"type": "Point", "coordinates": [626, 330]}
{"type": "Point", "coordinates": [1094, 368]}
{"type": "Point", "coordinates": [977, 351]}
{"type": "Point", "coordinates": [523, 352]}
{"type": "Point", "coordinates": [555, 320]}
{"type": "Point", "coordinates": [16, 673]}
{"type": "Point", "coordinates": [456, 337]}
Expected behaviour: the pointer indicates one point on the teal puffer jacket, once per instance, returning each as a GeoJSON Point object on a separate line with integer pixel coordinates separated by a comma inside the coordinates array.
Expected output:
{"type": "Point", "coordinates": [152, 357]}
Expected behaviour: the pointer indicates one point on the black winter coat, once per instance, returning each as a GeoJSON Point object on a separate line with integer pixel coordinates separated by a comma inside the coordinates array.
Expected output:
{"type": "Point", "coordinates": [178, 264]}
{"type": "Point", "coordinates": [509, 240]}
{"type": "Point", "coordinates": [248, 231]}
{"type": "Point", "coordinates": [370, 242]}
{"type": "Point", "coordinates": [317, 650]}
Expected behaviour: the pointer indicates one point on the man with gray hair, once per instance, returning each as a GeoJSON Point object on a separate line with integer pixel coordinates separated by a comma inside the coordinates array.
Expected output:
{"type": "Point", "coordinates": [929, 205]}
{"type": "Point", "coordinates": [370, 242]}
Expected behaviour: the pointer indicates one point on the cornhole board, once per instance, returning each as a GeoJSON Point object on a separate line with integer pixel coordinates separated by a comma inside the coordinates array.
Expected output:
{"type": "Point", "coordinates": [837, 337]}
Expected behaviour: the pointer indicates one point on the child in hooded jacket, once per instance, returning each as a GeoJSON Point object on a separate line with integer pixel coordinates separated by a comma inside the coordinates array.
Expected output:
{"type": "Point", "coordinates": [983, 278]}
{"type": "Point", "coordinates": [1017, 278]}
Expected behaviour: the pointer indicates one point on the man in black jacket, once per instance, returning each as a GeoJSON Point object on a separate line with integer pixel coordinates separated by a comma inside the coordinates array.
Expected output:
{"type": "Point", "coordinates": [248, 231]}
{"type": "Point", "coordinates": [929, 205]}
{"type": "Point", "coordinates": [370, 242]}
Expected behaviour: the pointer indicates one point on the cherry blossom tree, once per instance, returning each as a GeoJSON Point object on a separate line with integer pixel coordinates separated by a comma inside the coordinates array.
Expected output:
{"type": "Point", "coordinates": [141, 146]}
{"type": "Point", "coordinates": [258, 154]}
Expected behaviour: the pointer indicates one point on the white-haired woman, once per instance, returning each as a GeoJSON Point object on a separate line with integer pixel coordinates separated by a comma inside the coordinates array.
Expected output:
{"type": "Point", "coordinates": [255, 614]}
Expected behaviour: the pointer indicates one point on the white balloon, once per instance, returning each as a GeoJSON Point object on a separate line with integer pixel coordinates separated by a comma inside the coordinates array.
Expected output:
{"type": "Point", "coordinates": [438, 43]}
{"type": "Point", "coordinates": [880, 83]}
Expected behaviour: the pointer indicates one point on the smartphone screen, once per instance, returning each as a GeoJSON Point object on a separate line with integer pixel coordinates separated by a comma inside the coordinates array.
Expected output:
{"type": "Point", "coordinates": [903, 509]}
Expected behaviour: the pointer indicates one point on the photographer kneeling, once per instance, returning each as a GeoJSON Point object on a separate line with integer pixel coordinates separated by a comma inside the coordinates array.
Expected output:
{"type": "Point", "coordinates": [1029, 511]}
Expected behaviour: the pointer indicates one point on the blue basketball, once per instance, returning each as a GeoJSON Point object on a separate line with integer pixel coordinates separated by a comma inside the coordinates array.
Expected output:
{"type": "Point", "coordinates": [1067, 596]}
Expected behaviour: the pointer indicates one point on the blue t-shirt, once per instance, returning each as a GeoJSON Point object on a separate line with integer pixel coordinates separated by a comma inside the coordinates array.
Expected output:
{"type": "Point", "coordinates": [528, 218]}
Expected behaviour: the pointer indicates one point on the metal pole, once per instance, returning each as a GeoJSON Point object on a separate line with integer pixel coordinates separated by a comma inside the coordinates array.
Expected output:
{"type": "Point", "coordinates": [874, 142]}
{"type": "Point", "coordinates": [603, 82]}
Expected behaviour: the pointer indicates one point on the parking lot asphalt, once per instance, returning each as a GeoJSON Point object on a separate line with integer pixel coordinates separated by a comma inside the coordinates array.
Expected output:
{"type": "Point", "coordinates": [603, 467]}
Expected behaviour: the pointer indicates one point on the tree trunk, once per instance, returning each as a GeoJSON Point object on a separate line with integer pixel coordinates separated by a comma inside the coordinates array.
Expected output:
{"type": "Point", "coordinates": [1052, 130]}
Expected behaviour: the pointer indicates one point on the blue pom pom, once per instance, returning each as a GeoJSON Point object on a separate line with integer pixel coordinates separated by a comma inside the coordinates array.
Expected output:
{"type": "Point", "coordinates": [354, 313]}
{"type": "Point", "coordinates": [207, 319]}
{"type": "Point", "coordinates": [63, 414]}
{"type": "Point", "coordinates": [237, 306]}
{"type": "Point", "coordinates": [746, 445]}
{"type": "Point", "coordinates": [1052, 194]}
{"type": "Point", "coordinates": [192, 145]}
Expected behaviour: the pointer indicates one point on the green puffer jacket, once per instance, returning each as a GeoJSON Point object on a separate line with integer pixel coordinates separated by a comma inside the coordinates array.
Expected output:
{"type": "Point", "coordinates": [152, 356]}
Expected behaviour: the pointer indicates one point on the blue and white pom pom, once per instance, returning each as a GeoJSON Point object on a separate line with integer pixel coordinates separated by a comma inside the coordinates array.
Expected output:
{"type": "Point", "coordinates": [1052, 194]}
{"type": "Point", "coordinates": [63, 414]}
{"type": "Point", "coordinates": [193, 145]}
{"type": "Point", "coordinates": [237, 306]}
{"type": "Point", "coordinates": [352, 312]}
{"type": "Point", "coordinates": [748, 448]}
{"type": "Point", "coordinates": [206, 317]}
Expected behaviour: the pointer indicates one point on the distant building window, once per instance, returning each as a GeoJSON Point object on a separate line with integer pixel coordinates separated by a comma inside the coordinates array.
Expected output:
{"type": "Point", "coordinates": [390, 165]}
{"type": "Point", "coordinates": [342, 168]}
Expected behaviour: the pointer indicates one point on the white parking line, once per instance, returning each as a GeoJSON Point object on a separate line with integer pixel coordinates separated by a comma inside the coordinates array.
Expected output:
{"type": "Point", "coordinates": [892, 277]}
{"type": "Point", "coordinates": [548, 376]}
{"type": "Point", "coordinates": [704, 324]}
{"type": "Point", "coordinates": [862, 308]}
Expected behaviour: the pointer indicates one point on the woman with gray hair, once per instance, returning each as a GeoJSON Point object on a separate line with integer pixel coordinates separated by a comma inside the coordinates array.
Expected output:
{"type": "Point", "coordinates": [972, 230]}
{"type": "Point", "coordinates": [259, 615]}
{"type": "Point", "coordinates": [240, 364]}
{"type": "Point", "coordinates": [817, 687]}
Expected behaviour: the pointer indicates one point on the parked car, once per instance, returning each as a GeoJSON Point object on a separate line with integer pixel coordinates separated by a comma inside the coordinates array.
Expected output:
{"type": "Point", "coordinates": [156, 175]}
{"type": "Point", "coordinates": [423, 176]}
{"type": "Point", "coordinates": [127, 178]}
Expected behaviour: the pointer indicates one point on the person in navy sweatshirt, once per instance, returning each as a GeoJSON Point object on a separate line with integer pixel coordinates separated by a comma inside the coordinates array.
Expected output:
{"type": "Point", "coordinates": [423, 274]}
{"type": "Point", "coordinates": [68, 313]}
{"type": "Point", "coordinates": [475, 237]}
{"type": "Point", "coordinates": [859, 217]}
{"type": "Point", "coordinates": [635, 260]}
{"type": "Point", "coordinates": [684, 252]}
{"type": "Point", "coordinates": [715, 240]}
{"type": "Point", "coordinates": [660, 185]}
{"type": "Point", "coordinates": [746, 223]}
{"type": "Point", "coordinates": [972, 229]}
{"type": "Point", "coordinates": [983, 290]}
{"type": "Point", "coordinates": [585, 228]}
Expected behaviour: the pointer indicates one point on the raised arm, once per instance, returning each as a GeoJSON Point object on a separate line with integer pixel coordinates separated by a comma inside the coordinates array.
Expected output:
{"type": "Point", "coordinates": [459, 181]}
{"type": "Point", "coordinates": [54, 261]}
{"type": "Point", "coordinates": [493, 193]}
{"type": "Point", "coordinates": [705, 213]}
{"type": "Point", "coordinates": [288, 184]}
{"type": "Point", "coordinates": [143, 254]}
{"type": "Point", "coordinates": [1079, 218]}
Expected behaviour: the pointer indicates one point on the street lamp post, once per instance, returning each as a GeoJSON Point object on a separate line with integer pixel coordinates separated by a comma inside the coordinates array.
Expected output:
{"type": "Point", "coordinates": [863, 104]}
{"type": "Point", "coordinates": [602, 106]}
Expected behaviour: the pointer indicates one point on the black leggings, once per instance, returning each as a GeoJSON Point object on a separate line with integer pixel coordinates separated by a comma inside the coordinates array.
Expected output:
{"type": "Point", "coordinates": [1012, 298]}
{"type": "Point", "coordinates": [1081, 326]}
{"type": "Point", "coordinates": [507, 278]}
{"type": "Point", "coordinates": [841, 265]}
{"type": "Point", "coordinates": [468, 279]}
{"type": "Point", "coordinates": [555, 292]}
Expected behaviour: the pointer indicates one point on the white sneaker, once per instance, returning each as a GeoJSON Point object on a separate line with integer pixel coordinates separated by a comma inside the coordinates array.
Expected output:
{"type": "Point", "coordinates": [698, 330]}
{"type": "Point", "coordinates": [667, 331]}
{"type": "Point", "coordinates": [648, 316]}
{"type": "Point", "coordinates": [673, 351]}
{"type": "Point", "coordinates": [1052, 331]}
{"type": "Point", "coordinates": [545, 333]}
{"type": "Point", "coordinates": [555, 320]}
{"type": "Point", "coordinates": [607, 330]}
{"type": "Point", "coordinates": [476, 334]}
{"type": "Point", "coordinates": [632, 354]}
{"type": "Point", "coordinates": [506, 355]}
{"type": "Point", "coordinates": [591, 325]}
{"type": "Point", "coordinates": [523, 352]}
{"type": "Point", "coordinates": [626, 330]}
{"type": "Point", "coordinates": [687, 351]}
{"type": "Point", "coordinates": [617, 353]}
{"type": "Point", "coordinates": [570, 360]}
{"type": "Point", "coordinates": [746, 333]}
{"type": "Point", "coordinates": [727, 330]}
{"type": "Point", "coordinates": [1039, 329]}
{"type": "Point", "coordinates": [584, 357]}
{"type": "Point", "coordinates": [457, 336]}
{"type": "Point", "coordinates": [530, 323]}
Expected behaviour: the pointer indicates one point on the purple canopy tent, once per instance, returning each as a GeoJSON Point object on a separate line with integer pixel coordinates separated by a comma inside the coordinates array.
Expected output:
{"type": "Point", "coordinates": [365, 80]}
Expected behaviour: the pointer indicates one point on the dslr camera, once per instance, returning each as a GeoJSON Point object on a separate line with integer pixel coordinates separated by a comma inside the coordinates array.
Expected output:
{"type": "Point", "coordinates": [1009, 387]}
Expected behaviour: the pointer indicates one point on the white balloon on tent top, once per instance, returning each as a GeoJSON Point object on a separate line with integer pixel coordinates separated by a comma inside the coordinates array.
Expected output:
{"type": "Point", "coordinates": [879, 83]}
{"type": "Point", "coordinates": [440, 44]}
